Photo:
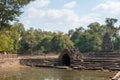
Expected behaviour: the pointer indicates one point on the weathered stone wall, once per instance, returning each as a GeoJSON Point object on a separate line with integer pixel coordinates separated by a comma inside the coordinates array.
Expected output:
{"type": "Point", "coordinates": [97, 64]}
{"type": "Point", "coordinates": [92, 64]}
{"type": "Point", "coordinates": [94, 61]}
{"type": "Point", "coordinates": [39, 62]}
{"type": "Point", "coordinates": [106, 55]}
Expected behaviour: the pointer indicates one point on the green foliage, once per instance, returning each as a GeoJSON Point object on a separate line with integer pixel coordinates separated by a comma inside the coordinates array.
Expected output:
{"type": "Point", "coordinates": [10, 10]}
{"type": "Point", "coordinates": [6, 43]}
{"type": "Point", "coordinates": [45, 44]}
{"type": "Point", "coordinates": [11, 34]}
{"type": "Point", "coordinates": [117, 43]}
{"type": "Point", "coordinates": [14, 38]}
{"type": "Point", "coordinates": [91, 38]}
{"type": "Point", "coordinates": [110, 22]}
{"type": "Point", "coordinates": [27, 41]}
{"type": "Point", "coordinates": [19, 28]}
{"type": "Point", "coordinates": [60, 42]}
{"type": "Point", "coordinates": [88, 42]}
{"type": "Point", "coordinates": [24, 47]}
{"type": "Point", "coordinates": [17, 39]}
{"type": "Point", "coordinates": [52, 42]}
{"type": "Point", "coordinates": [15, 35]}
{"type": "Point", "coordinates": [110, 28]}
{"type": "Point", "coordinates": [74, 35]}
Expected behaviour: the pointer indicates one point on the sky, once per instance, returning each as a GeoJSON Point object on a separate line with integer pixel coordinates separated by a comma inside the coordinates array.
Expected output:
{"type": "Point", "coordinates": [63, 15]}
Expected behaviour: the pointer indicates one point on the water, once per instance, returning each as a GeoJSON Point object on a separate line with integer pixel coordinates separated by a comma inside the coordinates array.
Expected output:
{"type": "Point", "coordinates": [53, 74]}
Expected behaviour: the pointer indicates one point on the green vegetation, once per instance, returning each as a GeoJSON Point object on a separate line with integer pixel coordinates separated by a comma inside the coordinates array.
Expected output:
{"type": "Point", "coordinates": [14, 38]}
{"type": "Point", "coordinates": [36, 39]}
{"type": "Point", "coordinates": [91, 39]}
{"type": "Point", "coordinates": [10, 10]}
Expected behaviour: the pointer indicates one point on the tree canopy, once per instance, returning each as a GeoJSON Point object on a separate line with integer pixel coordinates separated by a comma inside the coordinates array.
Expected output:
{"type": "Point", "coordinates": [15, 38]}
{"type": "Point", "coordinates": [10, 10]}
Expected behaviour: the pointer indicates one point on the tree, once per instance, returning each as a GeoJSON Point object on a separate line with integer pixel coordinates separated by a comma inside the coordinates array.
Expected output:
{"type": "Point", "coordinates": [60, 42]}
{"type": "Point", "coordinates": [45, 44]}
{"type": "Point", "coordinates": [6, 43]}
{"type": "Point", "coordinates": [15, 35]}
{"type": "Point", "coordinates": [24, 47]}
{"type": "Point", "coordinates": [110, 22]}
{"type": "Point", "coordinates": [28, 40]}
{"type": "Point", "coordinates": [74, 35]}
{"type": "Point", "coordinates": [110, 28]}
{"type": "Point", "coordinates": [19, 28]}
{"type": "Point", "coordinates": [117, 43]}
{"type": "Point", "coordinates": [88, 42]}
{"type": "Point", "coordinates": [38, 33]}
{"type": "Point", "coordinates": [10, 10]}
{"type": "Point", "coordinates": [89, 39]}
{"type": "Point", "coordinates": [96, 28]}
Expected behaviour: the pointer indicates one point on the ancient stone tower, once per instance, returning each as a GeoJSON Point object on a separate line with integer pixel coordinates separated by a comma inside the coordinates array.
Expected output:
{"type": "Point", "coordinates": [107, 44]}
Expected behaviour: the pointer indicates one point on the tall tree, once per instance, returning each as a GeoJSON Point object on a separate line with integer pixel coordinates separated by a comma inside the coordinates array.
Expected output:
{"type": "Point", "coordinates": [6, 43]}
{"type": "Point", "coordinates": [88, 42]}
{"type": "Point", "coordinates": [74, 34]}
{"type": "Point", "coordinates": [45, 44]}
{"type": "Point", "coordinates": [96, 28]}
{"type": "Point", "coordinates": [10, 10]}
{"type": "Point", "coordinates": [60, 42]}
{"type": "Point", "coordinates": [110, 22]}
{"type": "Point", "coordinates": [110, 28]}
{"type": "Point", "coordinates": [19, 28]}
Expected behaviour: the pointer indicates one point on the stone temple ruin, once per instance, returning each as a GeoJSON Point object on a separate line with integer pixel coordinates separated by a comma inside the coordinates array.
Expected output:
{"type": "Point", "coordinates": [105, 59]}
{"type": "Point", "coordinates": [107, 44]}
{"type": "Point", "coordinates": [107, 50]}
{"type": "Point", "coordinates": [72, 57]}
{"type": "Point", "coordinates": [69, 56]}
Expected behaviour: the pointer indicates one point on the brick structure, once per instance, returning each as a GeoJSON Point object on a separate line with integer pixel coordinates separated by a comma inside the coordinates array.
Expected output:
{"type": "Point", "coordinates": [107, 45]}
{"type": "Point", "coordinates": [68, 56]}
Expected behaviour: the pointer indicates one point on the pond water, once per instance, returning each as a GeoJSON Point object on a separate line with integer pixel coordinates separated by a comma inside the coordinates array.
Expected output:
{"type": "Point", "coordinates": [53, 74]}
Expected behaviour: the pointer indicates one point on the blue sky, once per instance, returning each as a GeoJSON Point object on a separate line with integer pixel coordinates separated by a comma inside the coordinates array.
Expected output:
{"type": "Point", "coordinates": [63, 15]}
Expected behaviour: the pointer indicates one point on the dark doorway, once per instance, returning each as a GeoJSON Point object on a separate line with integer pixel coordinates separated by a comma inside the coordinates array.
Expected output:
{"type": "Point", "coordinates": [66, 60]}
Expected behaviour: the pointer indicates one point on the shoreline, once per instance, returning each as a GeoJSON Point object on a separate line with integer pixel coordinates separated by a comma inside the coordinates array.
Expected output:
{"type": "Point", "coordinates": [45, 63]}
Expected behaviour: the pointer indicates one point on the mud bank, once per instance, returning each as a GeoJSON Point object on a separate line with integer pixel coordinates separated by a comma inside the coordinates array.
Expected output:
{"type": "Point", "coordinates": [6, 63]}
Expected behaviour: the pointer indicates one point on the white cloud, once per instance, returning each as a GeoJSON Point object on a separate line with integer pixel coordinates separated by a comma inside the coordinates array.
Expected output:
{"type": "Point", "coordinates": [54, 13]}
{"type": "Point", "coordinates": [90, 18]}
{"type": "Point", "coordinates": [71, 4]}
{"type": "Point", "coordinates": [50, 18]}
{"type": "Point", "coordinates": [63, 19]}
{"type": "Point", "coordinates": [50, 15]}
{"type": "Point", "coordinates": [71, 16]}
{"type": "Point", "coordinates": [32, 12]}
{"type": "Point", "coordinates": [40, 3]}
{"type": "Point", "coordinates": [60, 19]}
{"type": "Point", "coordinates": [110, 7]}
{"type": "Point", "coordinates": [56, 19]}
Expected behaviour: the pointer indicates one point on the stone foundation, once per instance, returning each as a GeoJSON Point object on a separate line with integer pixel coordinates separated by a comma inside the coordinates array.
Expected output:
{"type": "Point", "coordinates": [38, 62]}
{"type": "Point", "coordinates": [74, 59]}
{"type": "Point", "coordinates": [87, 64]}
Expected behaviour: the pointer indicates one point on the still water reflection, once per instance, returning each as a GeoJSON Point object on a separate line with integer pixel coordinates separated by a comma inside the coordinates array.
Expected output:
{"type": "Point", "coordinates": [53, 74]}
